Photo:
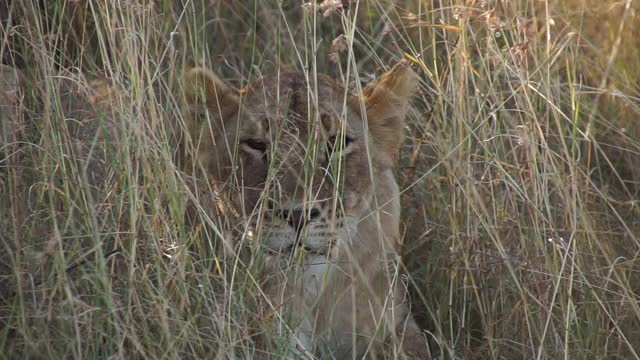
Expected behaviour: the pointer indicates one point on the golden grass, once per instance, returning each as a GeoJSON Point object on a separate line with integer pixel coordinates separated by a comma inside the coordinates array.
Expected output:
{"type": "Point", "coordinates": [520, 175]}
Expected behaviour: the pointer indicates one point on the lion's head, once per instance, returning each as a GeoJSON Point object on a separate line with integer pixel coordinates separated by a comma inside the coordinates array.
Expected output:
{"type": "Point", "coordinates": [301, 154]}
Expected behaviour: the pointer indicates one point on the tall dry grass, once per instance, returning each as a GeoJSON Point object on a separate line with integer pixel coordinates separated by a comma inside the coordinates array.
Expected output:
{"type": "Point", "coordinates": [520, 174]}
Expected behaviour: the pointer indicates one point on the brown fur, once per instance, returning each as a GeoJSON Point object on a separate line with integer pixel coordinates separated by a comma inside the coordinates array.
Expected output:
{"type": "Point", "coordinates": [313, 179]}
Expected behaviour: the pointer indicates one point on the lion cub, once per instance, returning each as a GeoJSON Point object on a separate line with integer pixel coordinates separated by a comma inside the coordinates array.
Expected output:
{"type": "Point", "coordinates": [307, 166]}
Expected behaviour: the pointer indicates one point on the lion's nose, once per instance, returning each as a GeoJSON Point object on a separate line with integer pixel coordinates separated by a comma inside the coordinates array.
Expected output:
{"type": "Point", "coordinates": [298, 216]}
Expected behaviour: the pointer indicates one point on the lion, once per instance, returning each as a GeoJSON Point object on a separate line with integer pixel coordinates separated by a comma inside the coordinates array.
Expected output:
{"type": "Point", "coordinates": [308, 167]}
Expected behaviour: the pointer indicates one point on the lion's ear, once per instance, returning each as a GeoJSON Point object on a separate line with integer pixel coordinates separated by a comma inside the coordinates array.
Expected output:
{"type": "Point", "coordinates": [213, 111]}
{"type": "Point", "coordinates": [386, 101]}
{"type": "Point", "coordinates": [202, 87]}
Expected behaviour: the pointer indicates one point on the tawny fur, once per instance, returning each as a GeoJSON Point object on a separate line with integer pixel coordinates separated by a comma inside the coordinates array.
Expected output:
{"type": "Point", "coordinates": [289, 144]}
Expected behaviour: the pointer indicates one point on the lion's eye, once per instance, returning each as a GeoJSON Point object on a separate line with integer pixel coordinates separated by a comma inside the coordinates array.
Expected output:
{"type": "Point", "coordinates": [334, 143]}
{"type": "Point", "coordinates": [256, 145]}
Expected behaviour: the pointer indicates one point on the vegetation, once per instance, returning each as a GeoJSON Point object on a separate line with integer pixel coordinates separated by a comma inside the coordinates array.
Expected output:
{"type": "Point", "coordinates": [520, 173]}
